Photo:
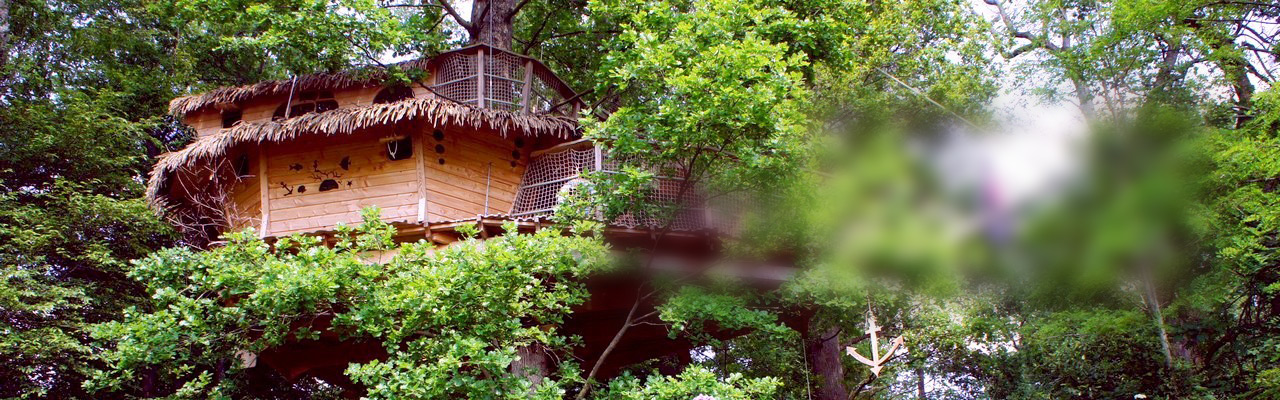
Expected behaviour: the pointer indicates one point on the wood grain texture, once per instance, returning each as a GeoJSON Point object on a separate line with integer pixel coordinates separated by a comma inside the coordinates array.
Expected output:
{"type": "Point", "coordinates": [457, 188]}
{"type": "Point", "coordinates": [264, 203]}
{"type": "Point", "coordinates": [364, 177]}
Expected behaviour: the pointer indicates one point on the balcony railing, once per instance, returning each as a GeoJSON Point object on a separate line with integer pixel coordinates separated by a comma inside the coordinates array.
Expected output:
{"type": "Point", "coordinates": [490, 77]}
{"type": "Point", "coordinates": [554, 174]}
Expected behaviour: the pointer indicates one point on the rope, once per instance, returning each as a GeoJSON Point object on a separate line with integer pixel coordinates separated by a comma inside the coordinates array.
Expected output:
{"type": "Point", "coordinates": [488, 177]}
{"type": "Point", "coordinates": [808, 387]}
{"type": "Point", "coordinates": [288, 105]}
{"type": "Point", "coordinates": [920, 93]}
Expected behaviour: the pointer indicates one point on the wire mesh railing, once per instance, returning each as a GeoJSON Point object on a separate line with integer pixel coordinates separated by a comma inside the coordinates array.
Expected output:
{"type": "Point", "coordinates": [550, 178]}
{"type": "Point", "coordinates": [490, 77]}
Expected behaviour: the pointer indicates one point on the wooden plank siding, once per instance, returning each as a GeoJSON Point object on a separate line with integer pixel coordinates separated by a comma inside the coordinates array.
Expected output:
{"type": "Point", "coordinates": [367, 178]}
{"type": "Point", "coordinates": [456, 189]}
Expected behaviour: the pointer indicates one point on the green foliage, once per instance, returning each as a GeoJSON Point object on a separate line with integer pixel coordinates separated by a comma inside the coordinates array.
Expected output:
{"type": "Point", "coordinates": [722, 94]}
{"type": "Point", "coordinates": [1228, 307]}
{"type": "Point", "coordinates": [694, 383]}
{"type": "Point", "coordinates": [1095, 354]}
{"type": "Point", "coordinates": [62, 266]}
{"type": "Point", "coordinates": [451, 319]}
{"type": "Point", "coordinates": [709, 100]}
{"type": "Point", "coordinates": [691, 308]}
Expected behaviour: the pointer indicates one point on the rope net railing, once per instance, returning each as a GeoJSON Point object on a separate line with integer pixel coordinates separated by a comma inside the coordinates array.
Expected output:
{"type": "Point", "coordinates": [550, 178]}
{"type": "Point", "coordinates": [501, 80]}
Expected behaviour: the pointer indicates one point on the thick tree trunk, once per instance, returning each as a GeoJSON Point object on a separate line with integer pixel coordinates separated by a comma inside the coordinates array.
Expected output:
{"type": "Point", "coordinates": [532, 364]}
{"type": "Point", "coordinates": [4, 35]}
{"type": "Point", "coordinates": [824, 351]}
{"type": "Point", "coordinates": [492, 21]}
{"type": "Point", "coordinates": [1084, 95]}
{"type": "Point", "coordinates": [1233, 65]}
{"type": "Point", "coordinates": [920, 383]}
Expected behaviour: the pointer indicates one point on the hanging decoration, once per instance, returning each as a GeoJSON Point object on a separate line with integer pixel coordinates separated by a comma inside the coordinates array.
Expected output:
{"type": "Point", "coordinates": [876, 362]}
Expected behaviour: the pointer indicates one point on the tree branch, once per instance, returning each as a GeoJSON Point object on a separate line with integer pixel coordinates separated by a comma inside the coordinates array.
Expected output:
{"type": "Point", "coordinates": [515, 10]}
{"type": "Point", "coordinates": [626, 324]}
{"type": "Point", "coordinates": [454, 13]}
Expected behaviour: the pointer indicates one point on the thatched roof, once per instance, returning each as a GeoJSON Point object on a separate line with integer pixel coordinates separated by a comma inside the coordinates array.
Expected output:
{"type": "Point", "coordinates": [367, 76]}
{"type": "Point", "coordinates": [345, 121]}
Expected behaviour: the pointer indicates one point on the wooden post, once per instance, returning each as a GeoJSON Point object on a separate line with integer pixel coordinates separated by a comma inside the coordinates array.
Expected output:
{"type": "Point", "coordinates": [528, 84]}
{"type": "Point", "coordinates": [480, 78]}
{"type": "Point", "coordinates": [419, 148]}
{"type": "Point", "coordinates": [265, 199]}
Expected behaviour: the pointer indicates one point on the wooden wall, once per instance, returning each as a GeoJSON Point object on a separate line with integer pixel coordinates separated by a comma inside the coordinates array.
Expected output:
{"type": "Point", "coordinates": [318, 182]}
{"type": "Point", "coordinates": [460, 171]}
{"type": "Point", "coordinates": [361, 175]}
{"type": "Point", "coordinates": [456, 188]}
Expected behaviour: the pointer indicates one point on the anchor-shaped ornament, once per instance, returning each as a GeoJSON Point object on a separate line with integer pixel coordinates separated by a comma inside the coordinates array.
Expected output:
{"type": "Point", "coordinates": [876, 362]}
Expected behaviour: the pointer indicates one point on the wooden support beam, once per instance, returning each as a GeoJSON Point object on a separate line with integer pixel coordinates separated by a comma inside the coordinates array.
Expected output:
{"type": "Point", "coordinates": [419, 148]}
{"type": "Point", "coordinates": [263, 185]}
{"type": "Point", "coordinates": [560, 147]}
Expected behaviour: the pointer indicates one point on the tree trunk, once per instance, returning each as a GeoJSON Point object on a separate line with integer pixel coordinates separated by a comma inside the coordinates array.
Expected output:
{"type": "Point", "coordinates": [824, 352]}
{"type": "Point", "coordinates": [492, 20]}
{"type": "Point", "coordinates": [920, 383]}
{"type": "Point", "coordinates": [1084, 95]}
{"type": "Point", "coordinates": [1233, 65]}
{"type": "Point", "coordinates": [532, 364]}
{"type": "Point", "coordinates": [4, 37]}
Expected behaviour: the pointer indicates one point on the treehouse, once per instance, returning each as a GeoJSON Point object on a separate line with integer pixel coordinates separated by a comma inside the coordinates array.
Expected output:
{"type": "Point", "coordinates": [489, 137]}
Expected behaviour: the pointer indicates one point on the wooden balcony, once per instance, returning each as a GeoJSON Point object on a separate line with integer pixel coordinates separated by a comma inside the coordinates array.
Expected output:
{"type": "Point", "coordinates": [493, 78]}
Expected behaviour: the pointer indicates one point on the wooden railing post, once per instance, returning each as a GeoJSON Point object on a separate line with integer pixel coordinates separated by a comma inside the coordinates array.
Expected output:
{"type": "Point", "coordinates": [264, 200]}
{"type": "Point", "coordinates": [480, 78]}
{"type": "Point", "coordinates": [528, 84]}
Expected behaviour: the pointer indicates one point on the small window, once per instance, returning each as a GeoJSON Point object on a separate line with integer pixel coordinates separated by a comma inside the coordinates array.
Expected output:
{"type": "Point", "coordinates": [242, 166]}
{"type": "Point", "coordinates": [392, 94]}
{"type": "Point", "coordinates": [304, 103]}
{"type": "Point", "coordinates": [231, 117]}
{"type": "Point", "coordinates": [400, 149]}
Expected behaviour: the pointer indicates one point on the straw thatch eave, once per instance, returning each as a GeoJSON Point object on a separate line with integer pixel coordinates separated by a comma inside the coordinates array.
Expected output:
{"type": "Point", "coordinates": [364, 77]}
{"type": "Point", "coordinates": [349, 120]}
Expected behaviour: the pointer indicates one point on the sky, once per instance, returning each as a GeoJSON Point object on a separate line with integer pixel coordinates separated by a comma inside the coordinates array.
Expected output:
{"type": "Point", "coordinates": [1029, 151]}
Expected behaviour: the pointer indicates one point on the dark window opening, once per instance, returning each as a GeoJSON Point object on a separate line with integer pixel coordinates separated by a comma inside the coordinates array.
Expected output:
{"type": "Point", "coordinates": [400, 149]}
{"type": "Point", "coordinates": [231, 117]}
{"type": "Point", "coordinates": [393, 94]}
{"type": "Point", "coordinates": [328, 184]}
{"type": "Point", "coordinates": [304, 103]}
{"type": "Point", "coordinates": [242, 166]}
